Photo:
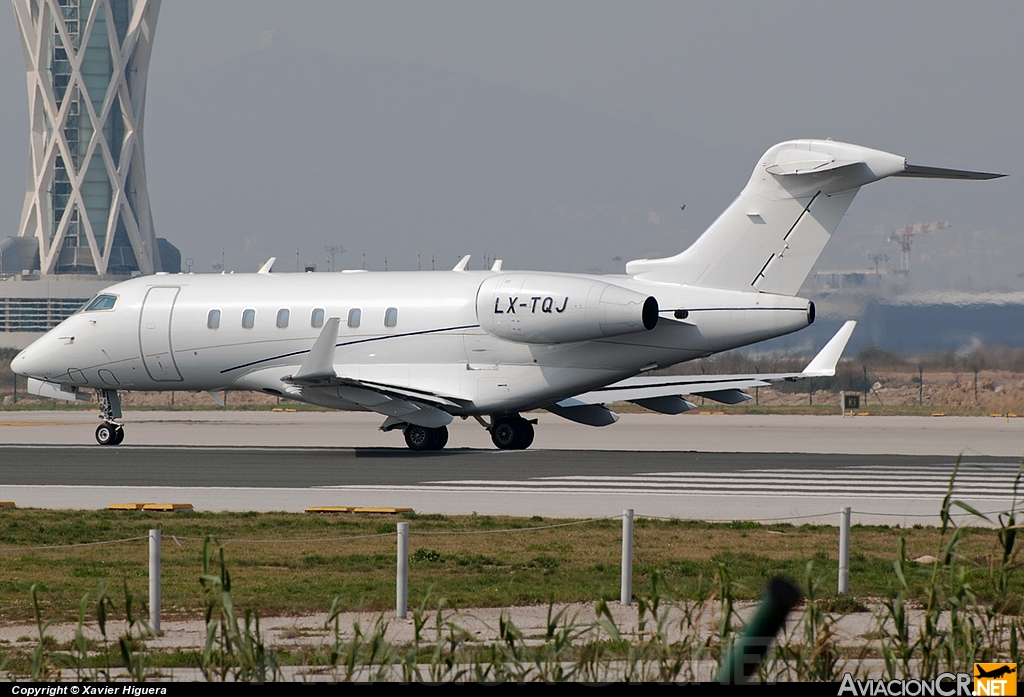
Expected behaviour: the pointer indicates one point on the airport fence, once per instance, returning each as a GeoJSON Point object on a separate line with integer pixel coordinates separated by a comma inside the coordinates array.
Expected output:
{"type": "Point", "coordinates": [403, 532]}
{"type": "Point", "coordinates": [951, 631]}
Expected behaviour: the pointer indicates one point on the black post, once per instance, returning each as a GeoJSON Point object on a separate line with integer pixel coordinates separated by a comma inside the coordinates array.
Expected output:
{"type": "Point", "coordinates": [779, 598]}
{"type": "Point", "coordinates": [920, 385]}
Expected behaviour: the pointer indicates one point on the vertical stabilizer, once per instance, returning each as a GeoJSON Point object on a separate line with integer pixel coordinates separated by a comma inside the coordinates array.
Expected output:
{"type": "Point", "coordinates": [771, 235]}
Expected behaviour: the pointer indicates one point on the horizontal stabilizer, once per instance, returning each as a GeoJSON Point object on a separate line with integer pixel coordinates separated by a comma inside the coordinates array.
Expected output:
{"type": "Point", "coordinates": [921, 172]}
{"type": "Point", "coordinates": [824, 364]}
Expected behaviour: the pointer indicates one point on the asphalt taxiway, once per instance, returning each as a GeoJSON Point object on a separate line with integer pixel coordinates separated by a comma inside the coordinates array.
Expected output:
{"type": "Point", "coordinates": [724, 467]}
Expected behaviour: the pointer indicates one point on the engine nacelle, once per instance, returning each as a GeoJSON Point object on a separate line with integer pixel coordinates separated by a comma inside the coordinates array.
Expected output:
{"type": "Point", "coordinates": [552, 309]}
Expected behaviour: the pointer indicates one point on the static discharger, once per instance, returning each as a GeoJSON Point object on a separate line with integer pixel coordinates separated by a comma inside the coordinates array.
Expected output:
{"type": "Point", "coordinates": [357, 509]}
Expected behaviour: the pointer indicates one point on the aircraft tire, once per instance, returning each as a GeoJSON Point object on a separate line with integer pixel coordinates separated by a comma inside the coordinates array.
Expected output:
{"type": "Point", "coordinates": [512, 433]}
{"type": "Point", "coordinates": [442, 438]}
{"type": "Point", "coordinates": [118, 435]}
{"type": "Point", "coordinates": [421, 438]}
{"type": "Point", "coordinates": [106, 434]}
{"type": "Point", "coordinates": [526, 436]}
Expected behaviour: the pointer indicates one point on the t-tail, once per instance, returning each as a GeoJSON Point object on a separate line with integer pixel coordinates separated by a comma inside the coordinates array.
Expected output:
{"type": "Point", "coordinates": [771, 235]}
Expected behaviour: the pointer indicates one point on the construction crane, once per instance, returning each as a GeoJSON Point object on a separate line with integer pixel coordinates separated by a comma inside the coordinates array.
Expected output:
{"type": "Point", "coordinates": [905, 234]}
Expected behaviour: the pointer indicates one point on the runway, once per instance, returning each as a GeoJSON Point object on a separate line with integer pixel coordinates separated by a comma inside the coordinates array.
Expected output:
{"type": "Point", "coordinates": [730, 482]}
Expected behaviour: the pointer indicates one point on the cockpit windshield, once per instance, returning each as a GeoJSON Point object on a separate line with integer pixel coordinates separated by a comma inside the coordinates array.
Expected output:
{"type": "Point", "coordinates": [101, 302]}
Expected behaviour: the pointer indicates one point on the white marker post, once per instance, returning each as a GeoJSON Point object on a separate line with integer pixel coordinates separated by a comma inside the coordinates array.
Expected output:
{"type": "Point", "coordinates": [626, 588]}
{"type": "Point", "coordinates": [154, 579]}
{"type": "Point", "coordinates": [844, 551]}
{"type": "Point", "coordinates": [402, 595]}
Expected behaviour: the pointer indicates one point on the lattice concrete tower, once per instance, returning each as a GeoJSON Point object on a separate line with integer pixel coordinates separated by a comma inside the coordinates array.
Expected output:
{"type": "Point", "coordinates": [87, 63]}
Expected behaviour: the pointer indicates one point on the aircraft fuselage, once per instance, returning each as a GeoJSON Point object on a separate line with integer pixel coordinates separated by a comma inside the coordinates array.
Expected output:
{"type": "Point", "coordinates": [421, 330]}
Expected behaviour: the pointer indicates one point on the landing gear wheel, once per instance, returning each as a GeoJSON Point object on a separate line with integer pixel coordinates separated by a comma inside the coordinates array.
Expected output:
{"type": "Point", "coordinates": [512, 433]}
{"type": "Point", "coordinates": [109, 434]}
{"type": "Point", "coordinates": [527, 436]}
{"type": "Point", "coordinates": [442, 438]}
{"type": "Point", "coordinates": [421, 438]}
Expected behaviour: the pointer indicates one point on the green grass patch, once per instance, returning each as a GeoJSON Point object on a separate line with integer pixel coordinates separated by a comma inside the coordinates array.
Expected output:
{"type": "Point", "coordinates": [283, 563]}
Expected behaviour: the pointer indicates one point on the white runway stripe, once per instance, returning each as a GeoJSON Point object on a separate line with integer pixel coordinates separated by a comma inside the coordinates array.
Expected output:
{"type": "Point", "coordinates": [868, 481]}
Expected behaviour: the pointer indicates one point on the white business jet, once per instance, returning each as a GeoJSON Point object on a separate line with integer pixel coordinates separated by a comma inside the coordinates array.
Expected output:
{"type": "Point", "coordinates": [420, 348]}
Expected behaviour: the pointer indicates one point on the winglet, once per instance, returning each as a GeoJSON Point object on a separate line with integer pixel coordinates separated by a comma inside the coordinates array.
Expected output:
{"type": "Point", "coordinates": [266, 268]}
{"type": "Point", "coordinates": [497, 265]}
{"type": "Point", "coordinates": [824, 364]}
{"type": "Point", "coordinates": [463, 263]}
{"type": "Point", "coordinates": [320, 361]}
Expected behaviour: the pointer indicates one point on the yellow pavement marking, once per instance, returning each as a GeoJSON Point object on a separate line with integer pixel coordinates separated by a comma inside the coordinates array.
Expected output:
{"type": "Point", "coordinates": [43, 423]}
{"type": "Point", "coordinates": [357, 509]}
{"type": "Point", "coordinates": [167, 507]}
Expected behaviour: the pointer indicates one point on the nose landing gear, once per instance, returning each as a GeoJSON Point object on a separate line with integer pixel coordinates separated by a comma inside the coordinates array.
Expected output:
{"type": "Point", "coordinates": [109, 432]}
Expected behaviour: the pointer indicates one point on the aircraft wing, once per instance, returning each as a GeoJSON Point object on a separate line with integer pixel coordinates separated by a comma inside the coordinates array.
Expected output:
{"type": "Point", "coordinates": [666, 393]}
{"type": "Point", "coordinates": [317, 382]}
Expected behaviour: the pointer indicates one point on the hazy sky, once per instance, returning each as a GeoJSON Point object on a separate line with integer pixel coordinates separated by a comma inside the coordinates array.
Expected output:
{"type": "Point", "coordinates": [939, 82]}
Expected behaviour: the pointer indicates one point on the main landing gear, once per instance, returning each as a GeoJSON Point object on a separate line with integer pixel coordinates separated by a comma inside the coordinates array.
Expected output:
{"type": "Point", "coordinates": [421, 438]}
{"type": "Point", "coordinates": [109, 432]}
{"type": "Point", "coordinates": [508, 432]}
{"type": "Point", "coordinates": [511, 432]}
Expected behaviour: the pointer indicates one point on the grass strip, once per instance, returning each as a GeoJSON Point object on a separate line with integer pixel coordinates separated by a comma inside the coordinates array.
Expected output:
{"type": "Point", "coordinates": [284, 563]}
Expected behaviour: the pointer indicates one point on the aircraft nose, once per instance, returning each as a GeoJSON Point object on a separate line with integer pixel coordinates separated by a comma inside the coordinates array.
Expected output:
{"type": "Point", "coordinates": [30, 362]}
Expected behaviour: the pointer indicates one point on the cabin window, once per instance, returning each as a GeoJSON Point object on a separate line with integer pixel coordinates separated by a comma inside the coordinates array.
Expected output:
{"type": "Point", "coordinates": [248, 319]}
{"type": "Point", "coordinates": [391, 317]}
{"type": "Point", "coordinates": [316, 320]}
{"type": "Point", "coordinates": [213, 319]}
{"type": "Point", "coordinates": [102, 302]}
{"type": "Point", "coordinates": [353, 317]}
{"type": "Point", "coordinates": [282, 317]}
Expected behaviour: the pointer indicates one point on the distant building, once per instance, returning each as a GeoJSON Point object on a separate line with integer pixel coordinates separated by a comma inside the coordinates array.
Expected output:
{"type": "Point", "coordinates": [86, 220]}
